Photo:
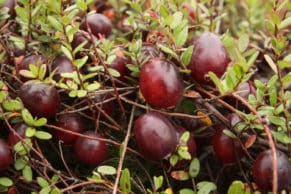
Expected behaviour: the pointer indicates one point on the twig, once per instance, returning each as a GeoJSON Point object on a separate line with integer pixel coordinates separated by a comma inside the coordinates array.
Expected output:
{"type": "Point", "coordinates": [125, 143]}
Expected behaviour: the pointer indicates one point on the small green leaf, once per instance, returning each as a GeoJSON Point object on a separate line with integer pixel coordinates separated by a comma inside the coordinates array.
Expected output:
{"type": "Point", "coordinates": [42, 182]}
{"type": "Point", "coordinates": [30, 132]}
{"type": "Point", "coordinates": [277, 120]}
{"type": "Point", "coordinates": [66, 52]}
{"type": "Point", "coordinates": [81, 93]}
{"type": "Point", "coordinates": [27, 117]}
{"type": "Point", "coordinates": [40, 122]}
{"type": "Point", "coordinates": [79, 63]}
{"type": "Point", "coordinates": [237, 187]}
{"type": "Point", "coordinates": [12, 105]}
{"type": "Point", "coordinates": [186, 191]}
{"type": "Point", "coordinates": [184, 153]}
{"type": "Point", "coordinates": [229, 133]}
{"type": "Point", "coordinates": [205, 187]}
{"type": "Point", "coordinates": [217, 82]}
{"type": "Point", "coordinates": [45, 190]}
{"type": "Point", "coordinates": [55, 23]}
{"type": "Point", "coordinates": [114, 72]}
{"type": "Point", "coordinates": [187, 55]}
{"type": "Point", "coordinates": [271, 63]}
{"type": "Point", "coordinates": [178, 16]}
{"type": "Point", "coordinates": [43, 135]}
{"type": "Point", "coordinates": [20, 163]}
{"type": "Point", "coordinates": [27, 173]}
{"type": "Point", "coordinates": [6, 182]}
{"type": "Point", "coordinates": [93, 87]}
{"type": "Point", "coordinates": [180, 37]}
{"type": "Point", "coordinates": [287, 78]}
{"type": "Point", "coordinates": [22, 13]}
{"type": "Point", "coordinates": [82, 5]}
{"type": "Point", "coordinates": [55, 191]}
{"type": "Point", "coordinates": [124, 183]}
{"type": "Point", "coordinates": [158, 182]}
{"type": "Point", "coordinates": [194, 168]}
{"type": "Point", "coordinates": [174, 159]}
{"type": "Point", "coordinates": [106, 170]}
{"type": "Point", "coordinates": [243, 42]}
{"type": "Point", "coordinates": [180, 175]}
{"type": "Point", "coordinates": [27, 74]}
{"type": "Point", "coordinates": [168, 51]}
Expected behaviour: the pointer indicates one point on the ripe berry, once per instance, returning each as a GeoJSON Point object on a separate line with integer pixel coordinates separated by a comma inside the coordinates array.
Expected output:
{"type": "Point", "coordinates": [107, 107]}
{"type": "Point", "coordinates": [245, 89]}
{"type": "Point", "coordinates": [5, 155]}
{"type": "Point", "coordinates": [155, 136]}
{"type": "Point", "coordinates": [62, 65]}
{"type": "Point", "coordinates": [20, 129]}
{"type": "Point", "coordinates": [90, 151]}
{"type": "Point", "coordinates": [42, 100]}
{"type": "Point", "coordinates": [119, 64]}
{"type": "Point", "coordinates": [24, 65]}
{"type": "Point", "coordinates": [263, 170]}
{"type": "Point", "coordinates": [208, 55]}
{"type": "Point", "coordinates": [98, 24]}
{"type": "Point", "coordinates": [226, 149]}
{"type": "Point", "coordinates": [160, 83]}
{"type": "Point", "coordinates": [69, 122]}
{"type": "Point", "coordinates": [78, 39]}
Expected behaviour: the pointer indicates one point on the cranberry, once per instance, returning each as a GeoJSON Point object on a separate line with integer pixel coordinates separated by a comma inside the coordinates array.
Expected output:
{"type": "Point", "coordinates": [155, 136]}
{"type": "Point", "coordinates": [62, 65]}
{"type": "Point", "coordinates": [209, 54]}
{"type": "Point", "coordinates": [78, 39]}
{"type": "Point", "coordinates": [42, 100]}
{"type": "Point", "coordinates": [160, 83]}
{"type": "Point", "coordinates": [20, 129]}
{"type": "Point", "coordinates": [5, 155]}
{"type": "Point", "coordinates": [69, 122]}
{"type": "Point", "coordinates": [90, 151]}
{"type": "Point", "coordinates": [263, 170]}
{"type": "Point", "coordinates": [226, 149]}
{"type": "Point", "coordinates": [98, 24]}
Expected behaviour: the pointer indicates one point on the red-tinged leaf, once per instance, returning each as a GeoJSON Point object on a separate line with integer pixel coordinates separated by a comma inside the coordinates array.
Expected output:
{"type": "Point", "coordinates": [180, 175]}
{"type": "Point", "coordinates": [11, 190]}
{"type": "Point", "coordinates": [250, 141]}
{"type": "Point", "coordinates": [191, 94]}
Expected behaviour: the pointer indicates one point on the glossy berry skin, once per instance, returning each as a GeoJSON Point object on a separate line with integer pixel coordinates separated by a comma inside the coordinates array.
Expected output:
{"type": "Point", "coordinates": [78, 39]}
{"type": "Point", "coordinates": [62, 65]}
{"type": "Point", "coordinates": [20, 129]}
{"type": "Point", "coordinates": [226, 149]}
{"type": "Point", "coordinates": [98, 23]}
{"type": "Point", "coordinates": [24, 65]}
{"type": "Point", "coordinates": [245, 89]}
{"type": "Point", "coordinates": [263, 170]}
{"type": "Point", "coordinates": [69, 122]}
{"type": "Point", "coordinates": [160, 83]}
{"type": "Point", "coordinates": [89, 151]}
{"type": "Point", "coordinates": [155, 136]}
{"type": "Point", "coordinates": [209, 54]}
{"type": "Point", "coordinates": [119, 64]}
{"type": "Point", "coordinates": [5, 155]}
{"type": "Point", "coordinates": [42, 100]}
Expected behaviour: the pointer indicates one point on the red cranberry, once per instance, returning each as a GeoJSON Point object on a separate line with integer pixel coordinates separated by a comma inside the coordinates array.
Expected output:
{"type": "Point", "coordinates": [90, 151]}
{"type": "Point", "coordinates": [263, 170]}
{"type": "Point", "coordinates": [62, 65]}
{"type": "Point", "coordinates": [69, 122]}
{"type": "Point", "coordinates": [20, 129]}
{"type": "Point", "coordinates": [98, 24]}
{"type": "Point", "coordinates": [155, 136]}
{"type": "Point", "coordinates": [160, 83]}
{"type": "Point", "coordinates": [5, 155]}
{"type": "Point", "coordinates": [42, 100]}
{"type": "Point", "coordinates": [78, 39]}
{"type": "Point", "coordinates": [226, 149]}
{"type": "Point", "coordinates": [209, 54]}
{"type": "Point", "coordinates": [119, 64]}
{"type": "Point", "coordinates": [24, 65]}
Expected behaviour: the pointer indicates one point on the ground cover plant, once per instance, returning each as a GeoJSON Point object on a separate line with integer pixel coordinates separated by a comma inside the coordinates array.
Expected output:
{"type": "Point", "coordinates": [145, 96]}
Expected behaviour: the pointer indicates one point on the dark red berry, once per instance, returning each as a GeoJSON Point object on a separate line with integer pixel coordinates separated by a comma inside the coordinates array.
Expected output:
{"type": "Point", "coordinates": [20, 129]}
{"type": "Point", "coordinates": [24, 65]}
{"type": "Point", "coordinates": [245, 89]}
{"type": "Point", "coordinates": [62, 65]}
{"type": "Point", "coordinates": [98, 24]}
{"type": "Point", "coordinates": [160, 83]}
{"type": "Point", "coordinates": [263, 170]}
{"type": "Point", "coordinates": [119, 64]}
{"type": "Point", "coordinates": [42, 100]}
{"type": "Point", "coordinates": [226, 149]}
{"type": "Point", "coordinates": [6, 157]}
{"type": "Point", "coordinates": [79, 38]}
{"type": "Point", "coordinates": [70, 123]}
{"type": "Point", "coordinates": [155, 136]}
{"type": "Point", "coordinates": [233, 119]}
{"type": "Point", "coordinates": [107, 107]}
{"type": "Point", "coordinates": [90, 151]}
{"type": "Point", "coordinates": [209, 54]}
